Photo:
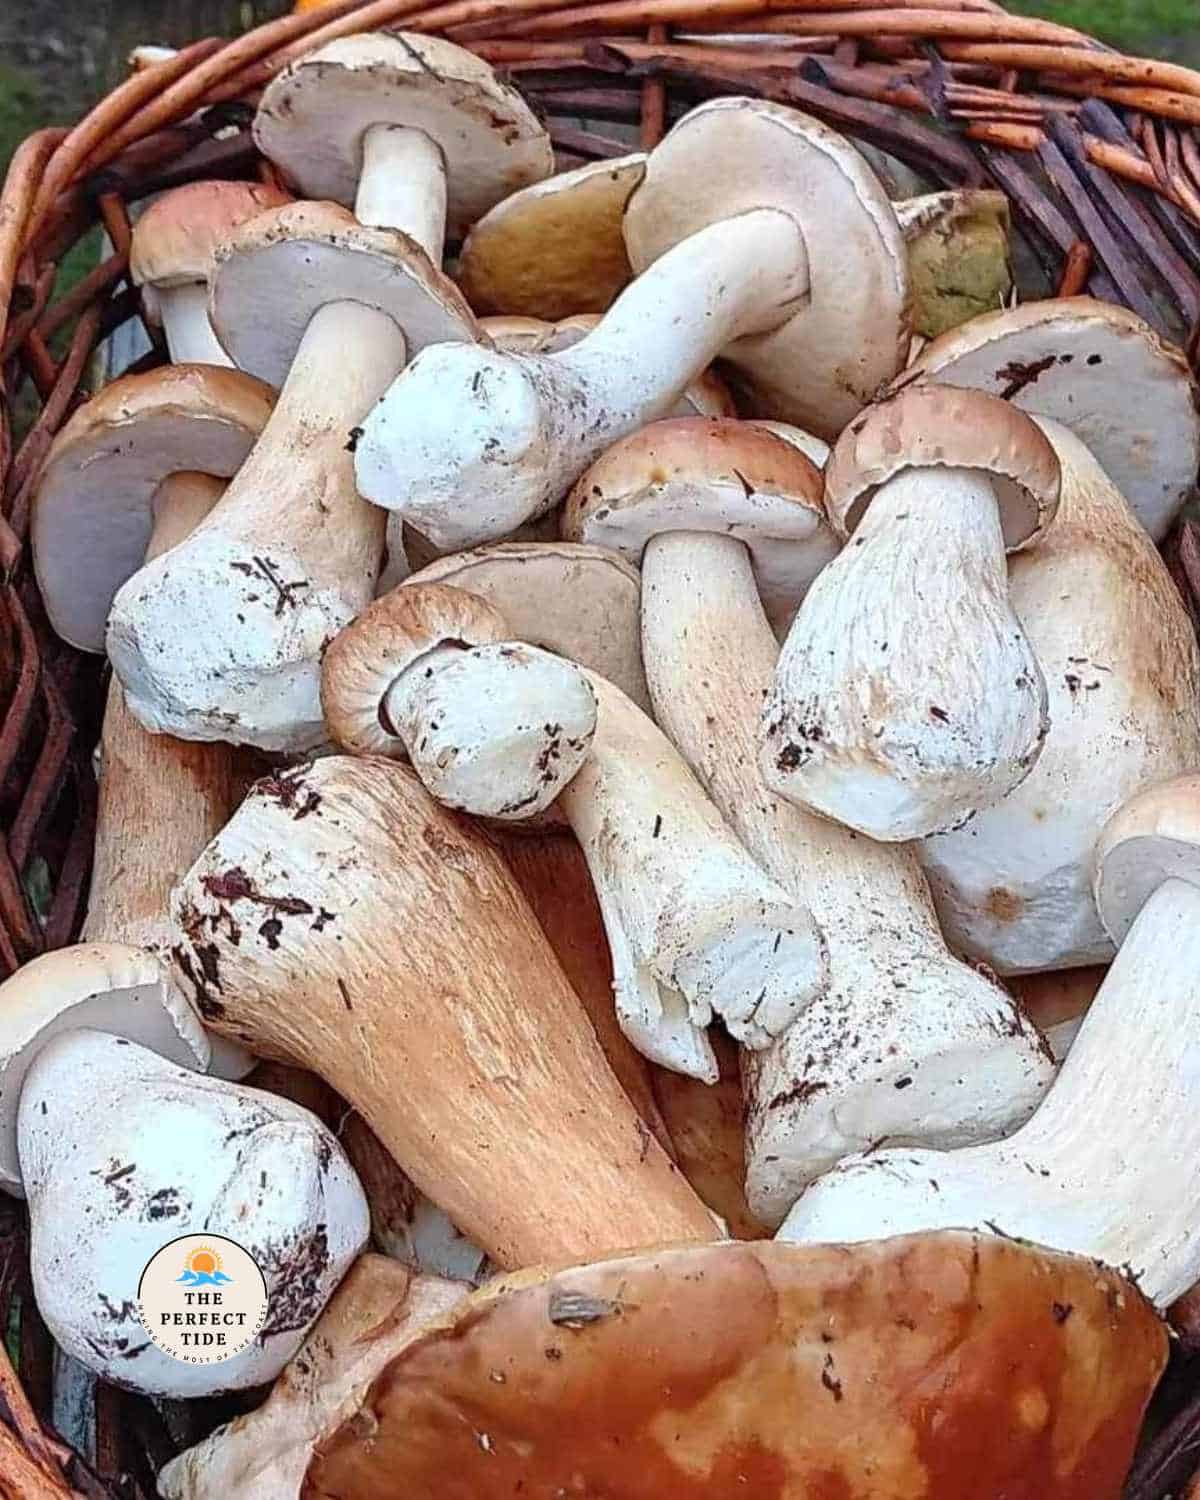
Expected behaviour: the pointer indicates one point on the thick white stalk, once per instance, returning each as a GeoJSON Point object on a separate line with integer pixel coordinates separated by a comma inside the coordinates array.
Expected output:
{"type": "Point", "coordinates": [222, 638]}
{"type": "Point", "coordinates": [907, 696]}
{"type": "Point", "coordinates": [470, 443]}
{"type": "Point", "coordinates": [403, 186]}
{"type": "Point", "coordinates": [699, 914]}
{"type": "Point", "coordinates": [1109, 1166]}
{"type": "Point", "coordinates": [908, 1044]}
{"type": "Point", "coordinates": [189, 334]}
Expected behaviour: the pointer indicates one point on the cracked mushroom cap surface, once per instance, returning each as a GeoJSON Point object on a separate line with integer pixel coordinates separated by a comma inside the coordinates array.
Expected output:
{"type": "Point", "coordinates": [175, 240]}
{"type": "Point", "coordinates": [93, 511]}
{"type": "Point", "coordinates": [934, 427]}
{"type": "Point", "coordinates": [580, 601]}
{"type": "Point", "coordinates": [733, 155]}
{"type": "Point", "coordinates": [1154, 838]}
{"type": "Point", "coordinates": [934, 1367]}
{"type": "Point", "coordinates": [276, 272]}
{"type": "Point", "coordinates": [1100, 371]}
{"type": "Point", "coordinates": [695, 474]}
{"type": "Point", "coordinates": [313, 117]}
{"type": "Point", "coordinates": [107, 987]}
{"type": "Point", "coordinates": [556, 247]}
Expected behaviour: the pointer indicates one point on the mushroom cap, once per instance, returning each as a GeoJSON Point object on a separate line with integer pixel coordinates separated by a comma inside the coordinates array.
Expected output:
{"type": "Point", "coordinates": [710, 475]}
{"type": "Point", "coordinates": [554, 248]}
{"type": "Point", "coordinates": [1100, 371]}
{"type": "Point", "coordinates": [937, 1367]}
{"type": "Point", "coordinates": [176, 238]}
{"type": "Point", "coordinates": [93, 511]}
{"type": "Point", "coordinates": [102, 986]}
{"type": "Point", "coordinates": [516, 334]}
{"type": "Point", "coordinates": [942, 427]}
{"type": "Point", "coordinates": [390, 635]}
{"type": "Point", "coordinates": [583, 602]}
{"type": "Point", "coordinates": [1154, 838]}
{"type": "Point", "coordinates": [276, 271]}
{"type": "Point", "coordinates": [313, 117]}
{"type": "Point", "coordinates": [733, 155]}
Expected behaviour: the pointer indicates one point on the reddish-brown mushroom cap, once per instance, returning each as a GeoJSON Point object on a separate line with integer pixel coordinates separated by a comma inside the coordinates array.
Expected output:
{"type": "Point", "coordinates": [938, 1367]}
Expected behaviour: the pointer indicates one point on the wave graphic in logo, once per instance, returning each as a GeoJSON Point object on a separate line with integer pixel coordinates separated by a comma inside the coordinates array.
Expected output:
{"type": "Point", "coordinates": [203, 1268]}
{"type": "Point", "coordinates": [204, 1278]}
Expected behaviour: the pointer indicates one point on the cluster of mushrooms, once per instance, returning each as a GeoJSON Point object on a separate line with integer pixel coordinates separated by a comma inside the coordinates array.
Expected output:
{"type": "Point", "coordinates": [622, 780]}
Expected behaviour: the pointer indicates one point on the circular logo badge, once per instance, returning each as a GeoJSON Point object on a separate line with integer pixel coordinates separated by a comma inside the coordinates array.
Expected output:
{"type": "Point", "coordinates": [202, 1298]}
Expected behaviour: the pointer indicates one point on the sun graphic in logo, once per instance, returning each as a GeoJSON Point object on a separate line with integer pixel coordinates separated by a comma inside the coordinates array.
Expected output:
{"type": "Point", "coordinates": [202, 1267]}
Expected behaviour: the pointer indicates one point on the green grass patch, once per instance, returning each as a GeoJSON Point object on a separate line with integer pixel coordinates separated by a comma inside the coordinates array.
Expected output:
{"type": "Point", "coordinates": [1138, 25]}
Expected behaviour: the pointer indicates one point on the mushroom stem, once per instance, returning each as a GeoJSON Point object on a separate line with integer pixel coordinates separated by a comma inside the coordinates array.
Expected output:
{"type": "Point", "coordinates": [908, 1043]}
{"type": "Point", "coordinates": [189, 334]}
{"type": "Point", "coordinates": [871, 721]}
{"type": "Point", "coordinates": [180, 503]}
{"type": "Point", "coordinates": [697, 912]}
{"type": "Point", "coordinates": [1126, 1194]}
{"type": "Point", "coordinates": [289, 551]}
{"type": "Point", "coordinates": [526, 426]}
{"type": "Point", "coordinates": [403, 186]}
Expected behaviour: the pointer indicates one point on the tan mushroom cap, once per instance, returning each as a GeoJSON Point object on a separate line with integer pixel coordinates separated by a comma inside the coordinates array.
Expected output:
{"type": "Point", "coordinates": [93, 511]}
{"type": "Point", "coordinates": [1154, 838]}
{"type": "Point", "coordinates": [516, 334]}
{"type": "Point", "coordinates": [580, 601]}
{"type": "Point", "coordinates": [103, 986]}
{"type": "Point", "coordinates": [710, 475]}
{"type": "Point", "coordinates": [934, 1367]}
{"type": "Point", "coordinates": [936, 427]}
{"type": "Point", "coordinates": [555, 248]}
{"type": "Point", "coordinates": [175, 240]}
{"type": "Point", "coordinates": [734, 155]}
{"type": "Point", "coordinates": [313, 116]}
{"type": "Point", "coordinates": [1099, 370]}
{"type": "Point", "coordinates": [366, 658]}
{"type": "Point", "coordinates": [277, 271]}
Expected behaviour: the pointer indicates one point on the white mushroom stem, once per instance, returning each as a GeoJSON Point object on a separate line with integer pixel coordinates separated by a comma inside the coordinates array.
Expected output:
{"type": "Point", "coordinates": [189, 334]}
{"type": "Point", "coordinates": [496, 730]}
{"type": "Point", "coordinates": [907, 690]}
{"type": "Point", "coordinates": [122, 1151]}
{"type": "Point", "coordinates": [908, 1043]}
{"type": "Point", "coordinates": [470, 443]}
{"type": "Point", "coordinates": [403, 186]}
{"type": "Point", "coordinates": [1109, 1166]}
{"type": "Point", "coordinates": [221, 640]}
{"type": "Point", "coordinates": [696, 911]}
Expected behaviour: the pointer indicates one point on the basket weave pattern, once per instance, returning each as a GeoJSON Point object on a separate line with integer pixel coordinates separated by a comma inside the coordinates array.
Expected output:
{"type": "Point", "coordinates": [1098, 152]}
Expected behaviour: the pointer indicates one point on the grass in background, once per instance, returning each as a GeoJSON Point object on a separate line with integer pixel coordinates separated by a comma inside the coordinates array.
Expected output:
{"type": "Point", "coordinates": [1160, 27]}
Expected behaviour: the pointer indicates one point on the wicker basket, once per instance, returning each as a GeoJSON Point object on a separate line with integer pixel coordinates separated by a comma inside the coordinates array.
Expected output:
{"type": "Point", "coordinates": [1098, 152]}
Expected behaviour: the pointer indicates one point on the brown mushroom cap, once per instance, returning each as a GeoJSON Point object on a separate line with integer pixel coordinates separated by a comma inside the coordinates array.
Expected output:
{"type": "Point", "coordinates": [555, 248]}
{"type": "Point", "coordinates": [1099, 370]}
{"type": "Point", "coordinates": [932, 427]}
{"type": "Point", "coordinates": [937, 1367]}
{"type": "Point", "coordinates": [710, 475]}
{"type": "Point", "coordinates": [176, 238]}
{"type": "Point", "coordinates": [1154, 838]}
{"type": "Point", "coordinates": [366, 658]}
{"type": "Point", "coordinates": [277, 271]}
{"type": "Point", "coordinates": [313, 116]}
{"type": "Point", "coordinates": [733, 155]}
{"type": "Point", "coordinates": [93, 512]}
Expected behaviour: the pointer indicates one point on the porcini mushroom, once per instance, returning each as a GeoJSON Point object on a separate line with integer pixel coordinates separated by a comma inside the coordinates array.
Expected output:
{"type": "Point", "coordinates": [555, 248]}
{"type": "Point", "coordinates": [411, 131]}
{"type": "Point", "coordinates": [103, 1124]}
{"type": "Point", "coordinates": [221, 640]}
{"type": "Point", "coordinates": [1103, 373]}
{"type": "Point", "coordinates": [492, 726]}
{"type": "Point", "coordinates": [758, 234]}
{"type": "Point", "coordinates": [360, 930]}
{"type": "Point", "coordinates": [1126, 1195]}
{"type": "Point", "coordinates": [907, 1043]}
{"type": "Point", "coordinates": [1057, 1001]}
{"type": "Point", "coordinates": [1107, 624]}
{"type": "Point", "coordinates": [907, 696]}
{"type": "Point", "coordinates": [958, 256]}
{"type": "Point", "coordinates": [377, 1310]}
{"type": "Point", "coordinates": [942, 1367]}
{"type": "Point", "coordinates": [171, 258]}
